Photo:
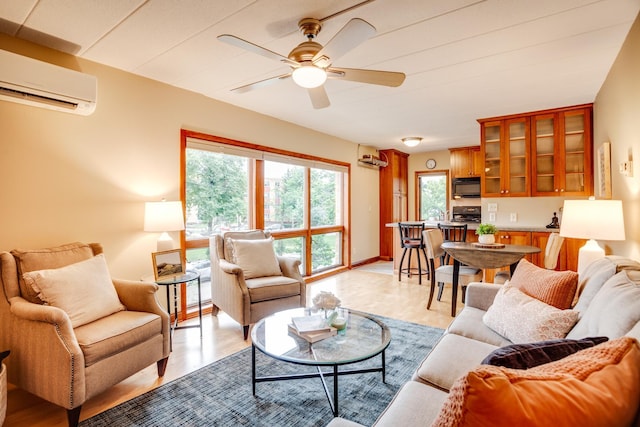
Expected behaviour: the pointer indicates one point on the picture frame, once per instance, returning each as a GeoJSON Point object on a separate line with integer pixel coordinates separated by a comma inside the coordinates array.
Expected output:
{"type": "Point", "coordinates": [604, 171]}
{"type": "Point", "coordinates": [168, 264]}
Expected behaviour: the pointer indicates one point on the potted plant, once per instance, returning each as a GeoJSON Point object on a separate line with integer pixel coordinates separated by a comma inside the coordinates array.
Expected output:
{"type": "Point", "coordinates": [486, 233]}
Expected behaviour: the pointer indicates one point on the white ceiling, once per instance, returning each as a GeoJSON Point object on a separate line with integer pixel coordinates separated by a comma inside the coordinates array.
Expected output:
{"type": "Point", "coordinates": [464, 59]}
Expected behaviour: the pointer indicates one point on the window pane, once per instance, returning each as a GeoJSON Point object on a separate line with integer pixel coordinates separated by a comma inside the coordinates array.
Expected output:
{"type": "Point", "coordinates": [433, 195]}
{"type": "Point", "coordinates": [325, 197]}
{"type": "Point", "coordinates": [200, 261]}
{"type": "Point", "coordinates": [325, 251]}
{"type": "Point", "coordinates": [293, 247]}
{"type": "Point", "coordinates": [217, 193]}
{"type": "Point", "coordinates": [283, 196]}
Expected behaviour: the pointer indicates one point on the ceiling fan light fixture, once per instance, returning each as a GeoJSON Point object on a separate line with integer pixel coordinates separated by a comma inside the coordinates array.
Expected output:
{"type": "Point", "coordinates": [309, 76]}
{"type": "Point", "coordinates": [411, 141]}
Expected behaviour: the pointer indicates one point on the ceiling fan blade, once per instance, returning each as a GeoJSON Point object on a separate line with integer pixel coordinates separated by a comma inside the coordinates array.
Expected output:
{"type": "Point", "coordinates": [254, 48]}
{"type": "Point", "coordinates": [375, 77]}
{"type": "Point", "coordinates": [261, 83]}
{"type": "Point", "coordinates": [351, 35]}
{"type": "Point", "coordinates": [319, 98]}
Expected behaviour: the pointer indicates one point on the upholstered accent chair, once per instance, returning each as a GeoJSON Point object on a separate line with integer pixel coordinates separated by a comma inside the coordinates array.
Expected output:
{"type": "Point", "coordinates": [73, 331]}
{"type": "Point", "coordinates": [249, 281]}
{"type": "Point", "coordinates": [551, 253]}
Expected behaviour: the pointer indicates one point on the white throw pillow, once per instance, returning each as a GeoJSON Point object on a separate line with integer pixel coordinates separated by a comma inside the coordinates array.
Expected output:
{"type": "Point", "coordinates": [84, 290]}
{"type": "Point", "coordinates": [257, 258]}
{"type": "Point", "coordinates": [522, 319]}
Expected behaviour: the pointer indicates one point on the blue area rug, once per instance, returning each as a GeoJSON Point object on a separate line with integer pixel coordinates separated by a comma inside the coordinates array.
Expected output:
{"type": "Point", "coordinates": [219, 394]}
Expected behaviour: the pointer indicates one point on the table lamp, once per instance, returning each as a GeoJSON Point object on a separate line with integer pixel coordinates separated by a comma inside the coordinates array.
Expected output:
{"type": "Point", "coordinates": [163, 217]}
{"type": "Point", "coordinates": [594, 220]}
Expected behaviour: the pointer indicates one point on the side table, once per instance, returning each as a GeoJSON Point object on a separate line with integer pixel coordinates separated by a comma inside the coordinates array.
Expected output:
{"type": "Point", "coordinates": [174, 281]}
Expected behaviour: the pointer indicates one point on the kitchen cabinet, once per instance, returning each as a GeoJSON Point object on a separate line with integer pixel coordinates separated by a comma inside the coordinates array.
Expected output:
{"type": "Point", "coordinates": [541, 153]}
{"type": "Point", "coordinates": [394, 201]}
{"type": "Point", "coordinates": [505, 151]}
{"type": "Point", "coordinates": [465, 162]}
{"type": "Point", "coordinates": [562, 153]}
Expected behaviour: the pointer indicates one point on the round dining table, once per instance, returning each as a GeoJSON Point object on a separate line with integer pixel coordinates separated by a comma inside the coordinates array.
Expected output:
{"type": "Point", "coordinates": [483, 256]}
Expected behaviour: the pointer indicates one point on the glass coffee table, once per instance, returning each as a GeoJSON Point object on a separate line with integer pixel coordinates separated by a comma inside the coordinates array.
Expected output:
{"type": "Point", "coordinates": [365, 337]}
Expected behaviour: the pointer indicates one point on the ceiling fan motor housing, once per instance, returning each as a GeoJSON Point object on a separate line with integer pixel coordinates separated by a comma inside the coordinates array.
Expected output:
{"type": "Point", "coordinates": [310, 27]}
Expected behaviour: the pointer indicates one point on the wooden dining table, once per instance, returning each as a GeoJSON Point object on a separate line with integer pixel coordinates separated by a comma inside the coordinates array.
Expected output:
{"type": "Point", "coordinates": [483, 256]}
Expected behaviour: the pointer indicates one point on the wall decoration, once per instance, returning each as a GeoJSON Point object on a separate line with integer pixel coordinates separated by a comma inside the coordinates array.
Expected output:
{"type": "Point", "coordinates": [604, 171]}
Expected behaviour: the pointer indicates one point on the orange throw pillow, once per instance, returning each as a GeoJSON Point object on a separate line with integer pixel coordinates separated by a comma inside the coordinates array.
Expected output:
{"type": "Point", "coordinates": [599, 386]}
{"type": "Point", "coordinates": [555, 288]}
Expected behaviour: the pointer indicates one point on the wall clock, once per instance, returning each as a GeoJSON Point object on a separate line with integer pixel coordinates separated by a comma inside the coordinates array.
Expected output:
{"type": "Point", "coordinates": [431, 163]}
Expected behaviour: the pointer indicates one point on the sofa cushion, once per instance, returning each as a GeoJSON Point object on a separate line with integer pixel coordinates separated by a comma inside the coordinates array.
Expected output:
{"type": "Point", "coordinates": [256, 257]}
{"type": "Point", "coordinates": [48, 258]}
{"type": "Point", "coordinates": [555, 288]}
{"type": "Point", "coordinates": [614, 310]}
{"type": "Point", "coordinates": [468, 323]}
{"type": "Point", "coordinates": [273, 287]}
{"type": "Point", "coordinates": [116, 333]}
{"type": "Point", "coordinates": [415, 404]}
{"type": "Point", "coordinates": [523, 319]}
{"type": "Point", "coordinates": [441, 370]}
{"type": "Point", "coordinates": [84, 290]}
{"type": "Point", "coordinates": [596, 274]}
{"type": "Point", "coordinates": [525, 356]}
{"type": "Point", "coordinates": [599, 386]}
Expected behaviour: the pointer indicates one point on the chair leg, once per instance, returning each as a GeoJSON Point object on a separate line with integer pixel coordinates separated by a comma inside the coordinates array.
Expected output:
{"type": "Point", "coordinates": [245, 330]}
{"type": "Point", "coordinates": [426, 260]}
{"type": "Point", "coordinates": [419, 267]}
{"type": "Point", "coordinates": [432, 288]}
{"type": "Point", "coordinates": [404, 252]}
{"type": "Point", "coordinates": [440, 289]}
{"type": "Point", "coordinates": [162, 366]}
{"type": "Point", "coordinates": [214, 310]}
{"type": "Point", "coordinates": [73, 416]}
{"type": "Point", "coordinates": [464, 292]}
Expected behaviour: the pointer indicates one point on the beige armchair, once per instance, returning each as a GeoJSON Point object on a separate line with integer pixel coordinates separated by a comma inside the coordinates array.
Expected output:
{"type": "Point", "coordinates": [54, 355]}
{"type": "Point", "coordinates": [248, 280]}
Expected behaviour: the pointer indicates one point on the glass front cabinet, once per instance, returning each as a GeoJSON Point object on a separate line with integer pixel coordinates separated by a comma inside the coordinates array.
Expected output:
{"type": "Point", "coordinates": [546, 153]}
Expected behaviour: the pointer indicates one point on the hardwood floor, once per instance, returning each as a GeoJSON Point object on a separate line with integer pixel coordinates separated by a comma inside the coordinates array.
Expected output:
{"type": "Point", "coordinates": [359, 289]}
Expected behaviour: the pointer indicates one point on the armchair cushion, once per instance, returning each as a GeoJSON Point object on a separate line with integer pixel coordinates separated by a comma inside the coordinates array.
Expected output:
{"type": "Point", "coordinates": [113, 334]}
{"type": "Point", "coordinates": [41, 259]}
{"type": "Point", "coordinates": [272, 287]}
{"type": "Point", "coordinates": [84, 290]}
{"type": "Point", "coordinates": [256, 257]}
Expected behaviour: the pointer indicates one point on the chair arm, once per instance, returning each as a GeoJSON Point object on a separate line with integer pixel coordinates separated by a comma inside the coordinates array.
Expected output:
{"type": "Point", "coordinates": [289, 267]}
{"type": "Point", "coordinates": [481, 295]}
{"type": "Point", "coordinates": [138, 296]}
{"type": "Point", "coordinates": [229, 268]}
{"type": "Point", "coordinates": [46, 352]}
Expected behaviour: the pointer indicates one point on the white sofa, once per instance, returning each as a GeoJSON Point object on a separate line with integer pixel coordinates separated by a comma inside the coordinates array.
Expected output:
{"type": "Point", "coordinates": [613, 281]}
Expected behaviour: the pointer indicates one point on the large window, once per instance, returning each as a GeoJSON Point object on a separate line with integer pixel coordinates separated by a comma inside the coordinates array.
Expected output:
{"type": "Point", "coordinates": [433, 198]}
{"type": "Point", "coordinates": [230, 185]}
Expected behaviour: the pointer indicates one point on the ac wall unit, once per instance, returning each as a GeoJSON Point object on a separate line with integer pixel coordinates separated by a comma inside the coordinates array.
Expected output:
{"type": "Point", "coordinates": [32, 82]}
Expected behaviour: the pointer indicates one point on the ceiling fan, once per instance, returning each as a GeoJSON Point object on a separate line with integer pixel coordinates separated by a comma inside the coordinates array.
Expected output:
{"type": "Point", "coordinates": [311, 63]}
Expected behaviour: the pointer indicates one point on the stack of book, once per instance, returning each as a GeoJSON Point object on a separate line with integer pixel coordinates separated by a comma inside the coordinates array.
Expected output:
{"type": "Point", "coordinates": [311, 328]}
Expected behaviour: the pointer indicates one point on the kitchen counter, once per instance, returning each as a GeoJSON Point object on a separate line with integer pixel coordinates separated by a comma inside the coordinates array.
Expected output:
{"type": "Point", "coordinates": [474, 225]}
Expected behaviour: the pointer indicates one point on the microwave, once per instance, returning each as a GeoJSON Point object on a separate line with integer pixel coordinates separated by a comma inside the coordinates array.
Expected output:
{"type": "Point", "coordinates": [465, 188]}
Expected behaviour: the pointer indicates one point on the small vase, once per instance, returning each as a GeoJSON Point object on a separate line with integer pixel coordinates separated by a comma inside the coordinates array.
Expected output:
{"type": "Point", "coordinates": [486, 239]}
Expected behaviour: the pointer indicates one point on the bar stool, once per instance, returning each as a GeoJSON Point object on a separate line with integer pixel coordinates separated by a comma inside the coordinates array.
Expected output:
{"type": "Point", "coordinates": [411, 239]}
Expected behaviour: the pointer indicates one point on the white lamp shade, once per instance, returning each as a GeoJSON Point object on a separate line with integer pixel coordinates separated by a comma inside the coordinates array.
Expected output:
{"type": "Point", "coordinates": [309, 76]}
{"type": "Point", "coordinates": [163, 216]}
{"type": "Point", "coordinates": [593, 219]}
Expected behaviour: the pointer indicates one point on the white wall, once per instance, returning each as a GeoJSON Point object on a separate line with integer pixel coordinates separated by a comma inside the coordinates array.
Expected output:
{"type": "Point", "coordinates": [75, 178]}
{"type": "Point", "coordinates": [617, 120]}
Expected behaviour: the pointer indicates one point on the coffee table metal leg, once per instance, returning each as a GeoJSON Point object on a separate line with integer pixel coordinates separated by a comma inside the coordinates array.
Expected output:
{"type": "Point", "coordinates": [335, 390]}
{"type": "Point", "coordinates": [384, 367]}
{"type": "Point", "coordinates": [253, 368]}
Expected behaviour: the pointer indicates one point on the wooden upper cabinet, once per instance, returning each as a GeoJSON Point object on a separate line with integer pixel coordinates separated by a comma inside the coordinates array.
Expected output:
{"type": "Point", "coordinates": [465, 162]}
{"type": "Point", "coordinates": [504, 149]}
{"type": "Point", "coordinates": [543, 153]}
{"type": "Point", "coordinates": [394, 201]}
{"type": "Point", "coordinates": [562, 153]}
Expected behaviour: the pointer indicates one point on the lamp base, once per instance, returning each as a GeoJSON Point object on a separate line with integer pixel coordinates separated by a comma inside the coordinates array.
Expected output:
{"type": "Point", "coordinates": [165, 242]}
{"type": "Point", "coordinates": [589, 253]}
